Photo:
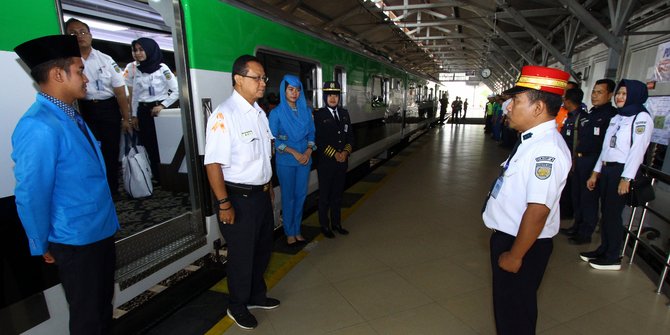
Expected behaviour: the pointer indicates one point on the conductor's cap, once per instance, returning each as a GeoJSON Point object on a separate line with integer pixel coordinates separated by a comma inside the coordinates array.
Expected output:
{"type": "Point", "coordinates": [331, 87]}
{"type": "Point", "coordinates": [47, 48]}
{"type": "Point", "coordinates": [540, 78]}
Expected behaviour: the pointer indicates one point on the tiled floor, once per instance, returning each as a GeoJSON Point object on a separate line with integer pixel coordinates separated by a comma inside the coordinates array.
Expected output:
{"type": "Point", "coordinates": [417, 261]}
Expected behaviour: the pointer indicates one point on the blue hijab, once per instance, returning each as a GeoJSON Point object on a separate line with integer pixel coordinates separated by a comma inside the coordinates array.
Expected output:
{"type": "Point", "coordinates": [296, 125]}
{"type": "Point", "coordinates": [153, 52]}
{"type": "Point", "coordinates": [636, 96]}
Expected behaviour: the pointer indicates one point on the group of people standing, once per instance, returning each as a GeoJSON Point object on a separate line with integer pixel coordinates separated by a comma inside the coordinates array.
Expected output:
{"type": "Point", "coordinates": [106, 108]}
{"type": "Point", "coordinates": [67, 160]}
{"type": "Point", "coordinates": [238, 153]}
{"type": "Point", "coordinates": [598, 151]}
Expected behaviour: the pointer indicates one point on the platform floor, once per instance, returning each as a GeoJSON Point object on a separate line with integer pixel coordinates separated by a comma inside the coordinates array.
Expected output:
{"type": "Point", "coordinates": [417, 260]}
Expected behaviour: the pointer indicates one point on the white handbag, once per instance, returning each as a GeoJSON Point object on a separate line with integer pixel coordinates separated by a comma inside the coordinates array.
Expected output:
{"type": "Point", "coordinates": [136, 169]}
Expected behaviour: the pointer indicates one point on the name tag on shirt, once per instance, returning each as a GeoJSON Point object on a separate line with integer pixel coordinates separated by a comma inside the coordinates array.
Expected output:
{"type": "Point", "coordinates": [346, 128]}
{"type": "Point", "coordinates": [247, 135]}
{"type": "Point", "coordinates": [497, 187]}
{"type": "Point", "coordinates": [596, 131]}
{"type": "Point", "coordinates": [568, 132]}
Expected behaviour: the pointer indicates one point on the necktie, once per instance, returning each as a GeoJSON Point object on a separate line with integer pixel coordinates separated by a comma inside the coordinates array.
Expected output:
{"type": "Point", "coordinates": [337, 117]}
{"type": "Point", "coordinates": [502, 171]}
{"type": "Point", "coordinates": [82, 127]}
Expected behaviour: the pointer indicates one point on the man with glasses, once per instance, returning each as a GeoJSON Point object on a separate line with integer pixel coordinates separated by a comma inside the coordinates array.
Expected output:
{"type": "Point", "coordinates": [105, 107]}
{"type": "Point", "coordinates": [237, 159]}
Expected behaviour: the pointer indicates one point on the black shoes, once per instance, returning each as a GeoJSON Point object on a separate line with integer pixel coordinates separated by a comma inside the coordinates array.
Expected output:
{"type": "Point", "coordinates": [244, 319]}
{"type": "Point", "coordinates": [341, 230]}
{"type": "Point", "coordinates": [604, 264]}
{"type": "Point", "coordinates": [569, 231]}
{"type": "Point", "coordinates": [327, 233]}
{"type": "Point", "coordinates": [269, 303]}
{"type": "Point", "coordinates": [579, 240]}
{"type": "Point", "coordinates": [589, 255]}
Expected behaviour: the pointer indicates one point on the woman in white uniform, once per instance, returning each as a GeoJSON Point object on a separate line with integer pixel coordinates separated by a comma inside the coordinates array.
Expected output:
{"type": "Point", "coordinates": [624, 146]}
{"type": "Point", "coordinates": [152, 88]}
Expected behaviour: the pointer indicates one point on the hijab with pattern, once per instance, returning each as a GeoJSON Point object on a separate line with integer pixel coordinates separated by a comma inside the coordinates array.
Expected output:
{"type": "Point", "coordinates": [636, 96]}
{"type": "Point", "coordinates": [153, 52]}
{"type": "Point", "coordinates": [296, 125]}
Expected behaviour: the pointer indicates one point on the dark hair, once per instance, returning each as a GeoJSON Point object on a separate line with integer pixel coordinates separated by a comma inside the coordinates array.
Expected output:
{"type": "Point", "coordinates": [73, 20]}
{"type": "Point", "coordinates": [40, 73]}
{"type": "Point", "coordinates": [609, 82]}
{"type": "Point", "coordinates": [553, 101]}
{"type": "Point", "coordinates": [575, 95]}
{"type": "Point", "coordinates": [240, 66]}
{"type": "Point", "coordinates": [573, 84]}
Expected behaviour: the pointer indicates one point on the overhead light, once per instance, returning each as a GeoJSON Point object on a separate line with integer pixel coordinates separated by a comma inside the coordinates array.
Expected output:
{"type": "Point", "coordinates": [93, 23]}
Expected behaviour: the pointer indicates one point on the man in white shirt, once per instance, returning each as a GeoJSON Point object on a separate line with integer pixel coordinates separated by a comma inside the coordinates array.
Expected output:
{"type": "Point", "coordinates": [522, 208]}
{"type": "Point", "coordinates": [105, 108]}
{"type": "Point", "coordinates": [237, 159]}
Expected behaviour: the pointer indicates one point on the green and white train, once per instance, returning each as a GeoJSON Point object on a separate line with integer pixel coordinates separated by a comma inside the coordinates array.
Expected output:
{"type": "Point", "coordinates": [389, 106]}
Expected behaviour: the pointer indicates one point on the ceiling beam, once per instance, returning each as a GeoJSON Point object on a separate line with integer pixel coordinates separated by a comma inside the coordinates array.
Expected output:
{"type": "Point", "coordinates": [593, 25]}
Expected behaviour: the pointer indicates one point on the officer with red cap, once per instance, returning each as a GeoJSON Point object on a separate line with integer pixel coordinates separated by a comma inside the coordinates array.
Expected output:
{"type": "Point", "coordinates": [522, 207]}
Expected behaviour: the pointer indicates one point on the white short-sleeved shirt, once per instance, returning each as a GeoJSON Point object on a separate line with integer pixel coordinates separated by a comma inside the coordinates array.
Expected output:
{"type": "Point", "coordinates": [160, 85]}
{"type": "Point", "coordinates": [238, 137]}
{"type": "Point", "coordinates": [536, 174]}
{"type": "Point", "coordinates": [617, 146]}
{"type": "Point", "coordinates": [103, 75]}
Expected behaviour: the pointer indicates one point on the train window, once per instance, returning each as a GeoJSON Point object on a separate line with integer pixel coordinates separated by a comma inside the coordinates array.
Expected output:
{"type": "Point", "coordinates": [378, 91]}
{"type": "Point", "coordinates": [277, 65]}
{"type": "Point", "coordinates": [430, 96]}
{"type": "Point", "coordinates": [340, 75]}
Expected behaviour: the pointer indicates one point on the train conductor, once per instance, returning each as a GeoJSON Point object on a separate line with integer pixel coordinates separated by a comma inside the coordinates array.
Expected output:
{"type": "Point", "coordinates": [335, 136]}
{"type": "Point", "coordinates": [522, 207]}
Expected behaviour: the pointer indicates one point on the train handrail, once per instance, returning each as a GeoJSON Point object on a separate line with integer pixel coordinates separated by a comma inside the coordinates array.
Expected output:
{"type": "Point", "coordinates": [655, 175]}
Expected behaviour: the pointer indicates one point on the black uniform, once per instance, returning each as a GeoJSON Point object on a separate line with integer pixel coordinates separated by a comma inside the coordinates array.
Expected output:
{"type": "Point", "coordinates": [332, 136]}
{"type": "Point", "coordinates": [567, 132]}
{"type": "Point", "coordinates": [592, 126]}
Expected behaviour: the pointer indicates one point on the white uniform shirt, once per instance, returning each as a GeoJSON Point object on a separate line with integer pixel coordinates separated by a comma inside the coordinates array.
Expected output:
{"type": "Point", "coordinates": [161, 85]}
{"type": "Point", "coordinates": [238, 137]}
{"type": "Point", "coordinates": [536, 174]}
{"type": "Point", "coordinates": [617, 146]}
{"type": "Point", "coordinates": [103, 75]}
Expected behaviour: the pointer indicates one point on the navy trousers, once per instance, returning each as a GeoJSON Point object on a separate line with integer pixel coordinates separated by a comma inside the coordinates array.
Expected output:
{"type": "Point", "coordinates": [249, 243]}
{"type": "Point", "coordinates": [104, 120]}
{"type": "Point", "coordinates": [611, 232]}
{"type": "Point", "coordinates": [515, 294]}
{"type": "Point", "coordinates": [585, 202]}
{"type": "Point", "coordinates": [332, 178]}
{"type": "Point", "coordinates": [87, 275]}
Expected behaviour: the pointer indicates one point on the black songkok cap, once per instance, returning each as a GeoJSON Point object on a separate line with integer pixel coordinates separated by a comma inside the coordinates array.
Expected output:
{"type": "Point", "coordinates": [331, 87]}
{"type": "Point", "coordinates": [47, 48]}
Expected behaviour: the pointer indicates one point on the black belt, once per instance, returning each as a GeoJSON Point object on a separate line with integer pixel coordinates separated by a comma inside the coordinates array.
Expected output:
{"type": "Point", "coordinates": [586, 154]}
{"type": "Point", "coordinates": [98, 101]}
{"type": "Point", "coordinates": [246, 190]}
{"type": "Point", "coordinates": [150, 104]}
{"type": "Point", "coordinates": [612, 164]}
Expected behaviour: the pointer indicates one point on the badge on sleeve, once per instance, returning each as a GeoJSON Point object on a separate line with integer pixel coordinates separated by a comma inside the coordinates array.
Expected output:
{"type": "Point", "coordinates": [218, 124]}
{"type": "Point", "coordinates": [167, 74]}
{"type": "Point", "coordinates": [116, 68]}
{"type": "Point", "coordinates": [543, 167]}
{"type": "Point", "coordinates": [639, 129]}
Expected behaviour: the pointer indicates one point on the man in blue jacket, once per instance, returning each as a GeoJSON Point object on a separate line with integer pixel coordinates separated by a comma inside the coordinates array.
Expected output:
{"type": "Point", "coordinates": [61, 191]}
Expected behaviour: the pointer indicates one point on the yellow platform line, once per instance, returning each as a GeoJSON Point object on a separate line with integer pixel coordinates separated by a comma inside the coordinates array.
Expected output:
{"type": "Point", "coordinates": [225, 323]}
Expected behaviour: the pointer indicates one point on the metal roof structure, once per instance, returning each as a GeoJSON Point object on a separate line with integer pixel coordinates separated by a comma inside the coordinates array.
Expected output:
{"type": "Point", "coordinates": [435, 37]}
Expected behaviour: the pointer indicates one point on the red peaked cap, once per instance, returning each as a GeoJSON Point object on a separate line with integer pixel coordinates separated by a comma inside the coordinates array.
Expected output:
{"type": "Point", "coordinates": [540, 78]}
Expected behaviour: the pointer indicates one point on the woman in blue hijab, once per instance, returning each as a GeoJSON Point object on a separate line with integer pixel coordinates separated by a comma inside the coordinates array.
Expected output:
{"type": "Point", "coordinates": [624, 146]}
{"type": "Point", "coordinates": [292, 126]}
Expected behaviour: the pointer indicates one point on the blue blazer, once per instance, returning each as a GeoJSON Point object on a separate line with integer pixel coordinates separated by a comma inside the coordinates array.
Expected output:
{"type": "Point", "coordinates": [61, 191]}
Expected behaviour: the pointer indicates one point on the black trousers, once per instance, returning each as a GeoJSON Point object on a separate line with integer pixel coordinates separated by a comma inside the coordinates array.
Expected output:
{"type": "Point", "coordinates": [585, 202]}
{"type": "Point", "coordinates": [147, 135]}
{"type": "Point", "coordinates": [87, 275]}
{"type": "Point", "coordinates": [515, 294]}
{"type": "Point", "coordinates": [611, 232]}
{"type": "Point", "coordinates": [565, 203]}
{"type": "Point", "coordinates": [332, 178]}
{"type": "Point", "coordinates": [249, 242]}
{"type": "Point", "coordinates": [104, 119]}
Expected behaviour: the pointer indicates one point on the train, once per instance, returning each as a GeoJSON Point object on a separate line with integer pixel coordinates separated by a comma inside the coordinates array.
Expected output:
{"type": "Point", "coordinates": [389, 106]}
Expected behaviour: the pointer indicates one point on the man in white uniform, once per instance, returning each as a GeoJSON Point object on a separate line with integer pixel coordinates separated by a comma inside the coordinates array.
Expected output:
{"type": "Point", "coordinates": [105, 108]}
{"type": "Point", "coordinates": [522, 206]}
{"type": "Point", "coordinates": [237, 159]}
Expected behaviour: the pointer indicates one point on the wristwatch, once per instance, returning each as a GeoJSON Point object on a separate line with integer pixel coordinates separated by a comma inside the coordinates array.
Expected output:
{"type": "Point", "coordinates": [626, 179]}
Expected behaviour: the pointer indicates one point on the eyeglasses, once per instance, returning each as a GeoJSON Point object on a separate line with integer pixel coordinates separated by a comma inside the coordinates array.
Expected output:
{"type": "Point", "coordinates": [79, 33]}
{"type": "Point", "coordinates": [257, 78]}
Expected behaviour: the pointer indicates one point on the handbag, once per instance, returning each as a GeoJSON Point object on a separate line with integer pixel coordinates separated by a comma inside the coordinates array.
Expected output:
{"type": "Point", "coordinates": [641, 191]}
{"type": "Point", "coordinates": [136, 169]}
